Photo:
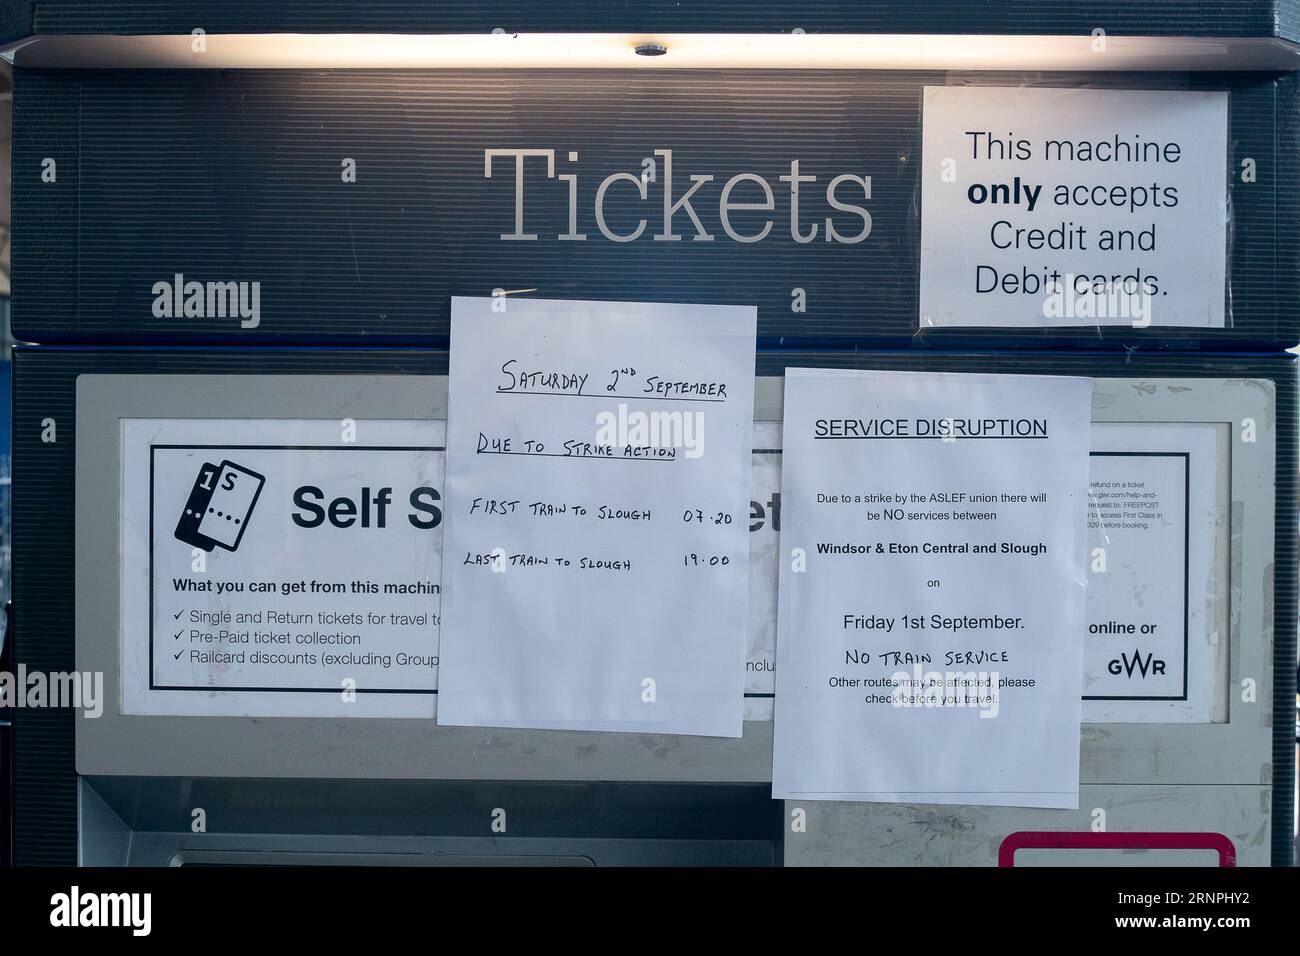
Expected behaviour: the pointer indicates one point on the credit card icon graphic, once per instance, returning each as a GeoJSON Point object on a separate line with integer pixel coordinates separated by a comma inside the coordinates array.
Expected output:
{"type": "Point", "coordinates": [219, 506]}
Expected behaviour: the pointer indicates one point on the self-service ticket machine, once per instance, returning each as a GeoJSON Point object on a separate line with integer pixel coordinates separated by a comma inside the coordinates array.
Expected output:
{"type": "Point", "coordinates": [328, 212]}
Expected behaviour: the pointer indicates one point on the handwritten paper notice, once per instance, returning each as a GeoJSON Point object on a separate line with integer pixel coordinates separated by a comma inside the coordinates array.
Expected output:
{"type": "Point", "coordinates": [931, 612]}
{"type": "Point", "coordinates": [596, 552]}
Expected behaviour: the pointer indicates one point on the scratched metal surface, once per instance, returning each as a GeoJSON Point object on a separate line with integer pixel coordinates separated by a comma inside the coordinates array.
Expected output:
{"type": "Point", "coordinates": [900, 834]}
{"type": "Point", "coordinates": [424, 823]}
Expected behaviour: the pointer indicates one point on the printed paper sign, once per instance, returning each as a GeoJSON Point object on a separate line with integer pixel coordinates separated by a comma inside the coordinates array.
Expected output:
{"type": "Point", "coordinates": [931, 611]}
{"type": "Point", "coordinates": [597, 545]}
{"type": "Point", "coordinates": [280, 568]}
{"type": "Point", "coordinates": [1068, 207]}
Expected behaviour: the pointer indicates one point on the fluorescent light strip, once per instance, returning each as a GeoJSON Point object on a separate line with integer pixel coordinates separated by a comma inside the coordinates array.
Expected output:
{"type": "Point", "coordinates": [684, 51]}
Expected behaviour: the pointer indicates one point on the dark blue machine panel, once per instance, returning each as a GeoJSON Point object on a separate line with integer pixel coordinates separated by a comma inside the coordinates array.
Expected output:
{"type": "Point", "coordinates": [240, 177]}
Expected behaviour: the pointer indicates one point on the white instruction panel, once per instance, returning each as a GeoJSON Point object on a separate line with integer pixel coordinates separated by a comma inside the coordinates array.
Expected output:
{"type": "Point", "coordinates": [280, 568]}
{"type": "Point", "coordinates": [764, 570]}
{"type": "Point", "coordinates": [597, 547]}
{"type": "Point", "coordinates": [1154, 651]}
{"type": "Point", "coordinates": [931, 610]}
{"type": "Point", "coordinates": [1068, 207]}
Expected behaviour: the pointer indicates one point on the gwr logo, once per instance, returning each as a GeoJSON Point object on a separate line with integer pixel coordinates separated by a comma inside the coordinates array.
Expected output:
{"type": "Point", "coordinates": [1138, 664]}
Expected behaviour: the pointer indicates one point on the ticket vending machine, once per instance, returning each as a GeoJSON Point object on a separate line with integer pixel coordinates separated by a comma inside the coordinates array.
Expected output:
{"type": "Point", "coordinates": [402, 791]}
{"type": "Point", "coordinates": [339, 205]}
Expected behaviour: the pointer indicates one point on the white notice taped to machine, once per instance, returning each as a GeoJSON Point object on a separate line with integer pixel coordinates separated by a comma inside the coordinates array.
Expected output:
{"type": "Point", "coordinates": [1068, 207]}
{"type": "Point", "coordinates": [280, 568]}
{"type": "Point", "coordinates": [931, 609]}
{"type": "Point", "coordinates": [596, 561]}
